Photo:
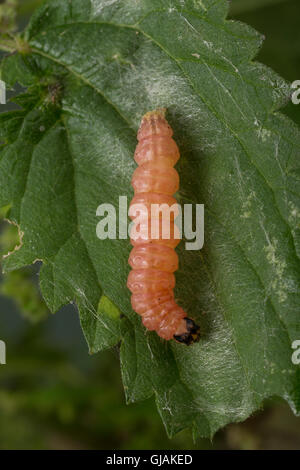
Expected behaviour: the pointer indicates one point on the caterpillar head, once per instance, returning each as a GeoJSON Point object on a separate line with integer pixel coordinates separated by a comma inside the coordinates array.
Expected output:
{"type": "Point", "coordinates": [189, 332]}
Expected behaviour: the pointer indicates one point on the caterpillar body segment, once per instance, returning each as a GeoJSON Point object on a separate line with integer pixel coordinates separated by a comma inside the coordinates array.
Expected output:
{"type": "Point", "coordinates": [153, 259]}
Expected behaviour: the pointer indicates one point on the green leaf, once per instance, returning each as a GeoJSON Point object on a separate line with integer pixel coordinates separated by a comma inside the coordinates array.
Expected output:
{"type": "Point", "coordinates": [107, 64]}
{"type": "Point", "coordinates": [20, 286]}
{"type": "Point", "coordinates": [8, 16]}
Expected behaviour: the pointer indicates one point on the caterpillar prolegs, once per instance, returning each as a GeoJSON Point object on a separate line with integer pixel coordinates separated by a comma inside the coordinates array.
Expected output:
{"type": "Point", "coordinates": [154, 260]}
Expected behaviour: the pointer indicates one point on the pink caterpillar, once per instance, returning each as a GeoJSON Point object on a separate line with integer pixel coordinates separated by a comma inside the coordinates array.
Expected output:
{"type": "Point", "coordinates": [154, 260]}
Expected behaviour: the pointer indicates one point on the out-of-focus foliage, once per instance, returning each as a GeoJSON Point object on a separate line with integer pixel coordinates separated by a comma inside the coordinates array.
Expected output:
{"type": "Point", "coordinates": [8, 16]}
{"type": "Point", "coordinates": [9, 238]}
{"type": "Point", "coordinates": [19, 286]}
{"type": "Point", "coordinates": [279, 22]}
{"type": "Point", "coordinates": [22, 284]}
{"type": "Point", "coordinates": [241, 6]}
{"type": "Point", "coordinates": [54, 396]}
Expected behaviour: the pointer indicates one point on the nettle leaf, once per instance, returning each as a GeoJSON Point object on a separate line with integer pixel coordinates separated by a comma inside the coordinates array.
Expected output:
{"type": "Point", "coordinates": [93, 69]}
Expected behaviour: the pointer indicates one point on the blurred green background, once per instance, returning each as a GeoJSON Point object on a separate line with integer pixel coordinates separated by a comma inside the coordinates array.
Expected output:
{"type": "Point", "coordinates": [53, 395]}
